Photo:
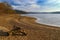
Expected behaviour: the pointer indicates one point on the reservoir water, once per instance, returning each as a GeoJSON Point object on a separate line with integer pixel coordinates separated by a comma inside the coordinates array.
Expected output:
{"type": "Point", "coordinates": [48, 19]}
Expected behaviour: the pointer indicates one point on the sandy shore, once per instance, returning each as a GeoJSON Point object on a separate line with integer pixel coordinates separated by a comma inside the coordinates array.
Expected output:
{"type": "Point", "coordinates": [34, 31]}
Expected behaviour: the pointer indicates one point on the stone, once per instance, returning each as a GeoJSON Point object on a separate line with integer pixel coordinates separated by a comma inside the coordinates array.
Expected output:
{"type": "Point", "coordinates": [3, 33]}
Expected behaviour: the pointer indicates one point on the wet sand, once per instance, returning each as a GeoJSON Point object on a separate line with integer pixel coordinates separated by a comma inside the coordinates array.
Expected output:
{"type": "Point", "coordinates": [34, 31]}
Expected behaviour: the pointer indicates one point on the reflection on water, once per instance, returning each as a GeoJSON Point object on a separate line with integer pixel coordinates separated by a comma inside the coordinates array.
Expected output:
{"type": "Point", "coordinates": [50, 19]}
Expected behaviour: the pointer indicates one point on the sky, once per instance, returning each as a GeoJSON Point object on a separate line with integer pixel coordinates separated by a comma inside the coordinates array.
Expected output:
{"type": "Point", "coordinates": [35, 5]}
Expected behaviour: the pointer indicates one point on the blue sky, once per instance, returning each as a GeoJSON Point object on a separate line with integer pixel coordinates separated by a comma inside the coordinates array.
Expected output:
{"type": "Point", "coordinates": [35, 5]}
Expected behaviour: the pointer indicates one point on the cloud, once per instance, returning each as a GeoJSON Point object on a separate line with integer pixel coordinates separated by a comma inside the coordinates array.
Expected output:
{"type": "Point", "coordinates": [28, 5]}
{"type": "Point", "coordinates": [35, 5]}
{"type": "Point", "coordinates": [38, 5]}
{"type": "Point", "coordinates": [48, 3]}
